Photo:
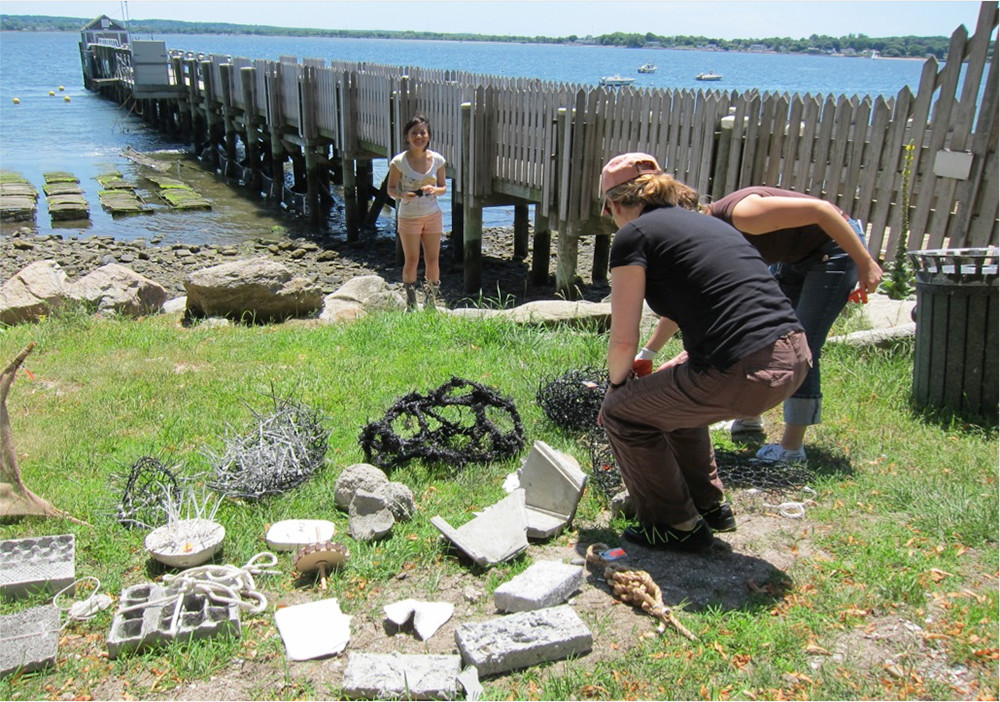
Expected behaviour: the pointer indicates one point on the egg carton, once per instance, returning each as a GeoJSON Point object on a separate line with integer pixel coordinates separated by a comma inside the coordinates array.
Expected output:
{"type": "Point", "coordinates": [145, 614]}
{"type": "Point", "coordinates": [37, 563]}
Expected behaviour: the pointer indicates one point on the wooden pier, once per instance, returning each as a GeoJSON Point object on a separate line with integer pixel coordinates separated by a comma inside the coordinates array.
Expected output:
{"type": "Point", "coordinates": [525, 142]}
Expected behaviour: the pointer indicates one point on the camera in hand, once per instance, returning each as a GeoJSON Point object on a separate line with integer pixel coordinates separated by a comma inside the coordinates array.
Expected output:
{"type": "Point", "coordinates": [418, 193]}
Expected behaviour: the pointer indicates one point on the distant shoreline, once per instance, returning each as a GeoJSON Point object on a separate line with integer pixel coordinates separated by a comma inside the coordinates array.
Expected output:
{"type": "Point", "coordinates": [851, 46]}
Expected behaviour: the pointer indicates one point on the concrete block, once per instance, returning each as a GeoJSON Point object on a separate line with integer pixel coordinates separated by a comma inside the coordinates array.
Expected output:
{"type": "Point", "coordinates": [313, 630]}
{"type": "Point", "coordinates": [39, 563]}
{"type": "Point", "coordinates": [523, 639]}
{"type": "Point", "coordinates": [496, 534]}
{"type": "Point", "coordinates": [428, 617]}
{"type": "Point", "coordinates": [396, 676]}
{"type": "Point", "coordinates": [553, 485]}
{"type": "Point", "coordinates": [29, 640]}
{"type": "Point", "coordinates": [544, 584]}
{"type": "Point", "coordinates": [145, 618]}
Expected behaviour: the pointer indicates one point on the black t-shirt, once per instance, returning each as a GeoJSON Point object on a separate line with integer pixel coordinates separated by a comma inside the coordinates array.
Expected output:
{"type": "Point", "coordinates": [704, 275]}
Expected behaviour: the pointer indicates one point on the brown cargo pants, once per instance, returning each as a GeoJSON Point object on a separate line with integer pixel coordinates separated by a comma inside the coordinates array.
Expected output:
{"type": "Point", "coordinates": [658, 425]}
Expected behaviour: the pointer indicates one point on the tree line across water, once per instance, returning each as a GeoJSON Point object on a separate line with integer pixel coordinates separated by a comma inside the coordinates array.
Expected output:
{"type": "Point", "coordinates": [888, 47]}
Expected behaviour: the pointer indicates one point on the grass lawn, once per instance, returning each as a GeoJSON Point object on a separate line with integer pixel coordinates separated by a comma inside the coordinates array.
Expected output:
{"type": "Point", "coordinates": [885, 589]}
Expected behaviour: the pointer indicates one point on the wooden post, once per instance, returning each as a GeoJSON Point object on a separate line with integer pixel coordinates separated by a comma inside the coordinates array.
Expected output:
{"type": "Point", "coordinates": [228, 124]}
{"type": "Point", "coordinates": [274, 127]}
{"type": "Point", "coordinates": [457, 221]}
{"type": "Point", "coordinates": [351, 219]}
{"type": "Point", "coordinates": [566, 259]}
{"type": "Point", "coordinates": [602, 258]}
{"type": "Point", "coordinates": [192, 93]}
{"type": "Point", "coordinates": [541, 249]}
{"type": "Point", "coordinates": [250, 128]}
{"type": "Point", "coordinates": [520, 232]}
{"type": "Point", "coordinates": [211, 118]}
{"type": "Point", "coordinates": [365, 186]}
{"type": "Point", "coordinates": [472, 215]}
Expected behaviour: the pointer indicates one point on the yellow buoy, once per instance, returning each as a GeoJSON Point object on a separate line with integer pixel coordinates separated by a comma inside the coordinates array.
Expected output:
{"type": "Point", "coordinates": [17, 101]}
{"type": "Point", "coordinates": [52, 92]}
{"type": "Point", "coordinates": [61, 88]}
{"type": "Point", "coordinates": [66, 98]}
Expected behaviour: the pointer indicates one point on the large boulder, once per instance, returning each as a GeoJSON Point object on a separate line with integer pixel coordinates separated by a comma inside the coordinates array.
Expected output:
{"type": "Point", "coordinates": [115, 288]}
{"type": "Point", "coordinates": [32, 292]}
{"type": "Point", "coordinates": [254, 289]}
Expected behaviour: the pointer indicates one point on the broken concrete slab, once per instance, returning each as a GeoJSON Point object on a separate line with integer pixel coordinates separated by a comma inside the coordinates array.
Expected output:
{"type": "Point", "coordinates": [523, 639]}
{"type": "Point", "coordinates": [38, 563]}
{"type": "Point", "coordinates": [427, 617]}
{"type": "Point", "coordinates": [29, 639]}
{"type": "Point", "coordinates": [384, 676]}
{"type": "Point", "coordinates": [293, 534]}
{"type": "Point", "coordinates": [544, 584]}
{"type": "Point", "coordinates": [313, 630]}
{"type": "Point", "coordinates": [496, 534]}
{"type": "Point", "coordinates": [553, 485]}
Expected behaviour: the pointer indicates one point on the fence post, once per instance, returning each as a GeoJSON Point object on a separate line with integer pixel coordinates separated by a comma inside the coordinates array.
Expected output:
{"type": "Point", "coordinates": [472, 215]}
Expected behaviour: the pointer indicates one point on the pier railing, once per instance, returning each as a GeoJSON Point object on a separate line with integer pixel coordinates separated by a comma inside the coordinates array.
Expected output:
{"type": "Point", "coordinates": [523, 141]}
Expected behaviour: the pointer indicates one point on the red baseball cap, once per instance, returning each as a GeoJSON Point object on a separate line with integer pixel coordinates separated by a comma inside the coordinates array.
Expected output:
{"type": "Point", "coordinates": [622, 169]}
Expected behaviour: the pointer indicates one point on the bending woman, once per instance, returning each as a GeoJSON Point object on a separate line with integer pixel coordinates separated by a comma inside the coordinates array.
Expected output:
{"type": "Point", "coordinates": [744, 350]}
{"type": "Point", "coordinates": [818, 255]}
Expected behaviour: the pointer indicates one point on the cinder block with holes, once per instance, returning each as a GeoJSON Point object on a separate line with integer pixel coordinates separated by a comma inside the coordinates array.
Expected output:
{"type": "Point", "coordinates": [37, 563]}
{"type": "Point", "coordinates": [145, 616]}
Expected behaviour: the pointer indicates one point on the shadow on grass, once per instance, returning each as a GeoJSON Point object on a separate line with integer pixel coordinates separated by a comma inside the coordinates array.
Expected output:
{"type": "Point", "coordinates": [719, 578]}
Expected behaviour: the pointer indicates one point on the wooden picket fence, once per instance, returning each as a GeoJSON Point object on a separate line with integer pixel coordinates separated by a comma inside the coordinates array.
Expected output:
{"type": "Point", "coordinates": [525, 141]}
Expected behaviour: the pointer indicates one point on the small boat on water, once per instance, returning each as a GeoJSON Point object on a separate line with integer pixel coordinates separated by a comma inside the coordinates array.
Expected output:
{"type": "Point", "coordinates": [647, 68]}
{"type": "Point", "coordinates": [708, 76]}
{"type": "Point", "coordinates": [616, 81]}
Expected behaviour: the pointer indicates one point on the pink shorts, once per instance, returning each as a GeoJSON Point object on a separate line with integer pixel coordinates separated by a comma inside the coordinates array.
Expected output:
{"type": "Point", "coordinates": [432, 223]}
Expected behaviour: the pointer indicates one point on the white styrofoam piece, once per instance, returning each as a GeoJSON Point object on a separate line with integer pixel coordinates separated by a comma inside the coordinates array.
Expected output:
{"type": "Point", "coordinates": [314, 629]}
{"type": "Point", "coordinates": [293, 534]}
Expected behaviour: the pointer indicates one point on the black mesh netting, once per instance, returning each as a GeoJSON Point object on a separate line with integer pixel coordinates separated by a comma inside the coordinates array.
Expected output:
{"type": "Point", "coordinates": [573, 399]}
{"type": "Point", "coordinates": [737, 470]}
{"type": "Point", "coordinates": [458, 423]}
{"type": "Point", "coordinates": [148, 488]}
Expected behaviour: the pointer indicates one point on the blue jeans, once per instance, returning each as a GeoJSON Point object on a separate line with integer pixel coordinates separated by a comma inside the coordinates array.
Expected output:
{"type": "Point", "coordinates": [818, 288]}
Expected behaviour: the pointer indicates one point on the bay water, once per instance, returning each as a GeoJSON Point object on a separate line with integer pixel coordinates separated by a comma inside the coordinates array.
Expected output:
{"type": "Point", "coordinates": [74, 130]}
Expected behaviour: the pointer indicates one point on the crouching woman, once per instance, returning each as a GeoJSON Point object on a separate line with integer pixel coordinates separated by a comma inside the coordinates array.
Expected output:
{"type": "Point", "coordinates": [744, 350]}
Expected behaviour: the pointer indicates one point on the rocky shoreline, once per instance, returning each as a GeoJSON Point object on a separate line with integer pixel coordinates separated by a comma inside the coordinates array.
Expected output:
{"type": "Point", "coordinates": [329, 262]}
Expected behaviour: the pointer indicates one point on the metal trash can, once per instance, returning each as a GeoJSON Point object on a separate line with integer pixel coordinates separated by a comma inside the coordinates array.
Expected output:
{"type": "Point", "coordinates": [957, 348]}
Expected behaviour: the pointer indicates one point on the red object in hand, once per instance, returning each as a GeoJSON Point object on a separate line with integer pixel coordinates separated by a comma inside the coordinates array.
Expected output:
{"type": "Point", "coordinates": [859, 295]}
{"type": "Point", "coordinates": [642, 366]}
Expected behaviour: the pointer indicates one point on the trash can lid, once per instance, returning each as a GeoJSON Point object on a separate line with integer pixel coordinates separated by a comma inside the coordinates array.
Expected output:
{"type": "Point", "coordinates": [971, 264]}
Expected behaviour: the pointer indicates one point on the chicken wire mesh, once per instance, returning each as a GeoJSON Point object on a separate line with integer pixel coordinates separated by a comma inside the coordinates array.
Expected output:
{"type": "Point", "coordinates": [572, 400]}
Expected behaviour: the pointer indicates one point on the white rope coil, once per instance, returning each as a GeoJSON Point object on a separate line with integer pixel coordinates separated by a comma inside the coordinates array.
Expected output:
{"type": "Point", "coordinates": [223, 584]}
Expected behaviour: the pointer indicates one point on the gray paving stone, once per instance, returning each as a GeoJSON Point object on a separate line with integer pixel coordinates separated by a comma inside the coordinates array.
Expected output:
{"type": "Point", "coordinates": [145, 613]}
{"type": "Point", "coordinates": [29, 640]}
{"type": "Point", "coordinates": [37, 563]}
{"type": "Point", "coordinates": [544, 584]}
{"type": "Point", "coordinates": [523, 639]}
{"type": "Point", "coordinates": [395, 675]}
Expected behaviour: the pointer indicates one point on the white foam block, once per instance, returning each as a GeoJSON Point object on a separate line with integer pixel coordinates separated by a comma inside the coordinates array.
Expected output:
{"type": "Point", "coordinates": [293, 534]}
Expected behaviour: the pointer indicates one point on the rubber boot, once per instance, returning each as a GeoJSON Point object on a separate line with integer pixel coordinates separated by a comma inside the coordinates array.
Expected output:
{"type": "Point", "coordinates": [411, 295]}
{"type": "Point", "coordinates": [432, 291]}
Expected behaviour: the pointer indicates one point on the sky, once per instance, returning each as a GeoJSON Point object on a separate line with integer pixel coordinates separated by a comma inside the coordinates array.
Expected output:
{"type": "Point", "coordinates": [718, 19]}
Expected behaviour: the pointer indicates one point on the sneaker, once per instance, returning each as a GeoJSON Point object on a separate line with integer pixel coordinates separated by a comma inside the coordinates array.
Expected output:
{"type": "Point", "coordinates": [749, 425]}
{"type": "Point", "coordinates": [773, 453]}
{"type": "Point", "coordinates": [663, 536]}
{"type": "Point", "coordinates": [720, 517]}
